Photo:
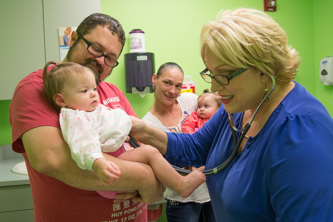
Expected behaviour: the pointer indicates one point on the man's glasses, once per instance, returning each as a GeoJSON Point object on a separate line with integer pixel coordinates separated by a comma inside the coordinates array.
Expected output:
{"type": "Point", "coordinates": [97, 52]}
{"type": "Point", "coordinates": [221, 79]}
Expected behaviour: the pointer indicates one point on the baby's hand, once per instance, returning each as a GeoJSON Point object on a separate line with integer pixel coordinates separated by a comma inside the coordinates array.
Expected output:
{"type": "Point", "coordinates": [107, 171]}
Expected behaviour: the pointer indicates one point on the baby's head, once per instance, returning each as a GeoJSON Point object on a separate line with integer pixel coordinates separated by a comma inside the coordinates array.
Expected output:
{"type": "Point", "coordinates": [208, 104]}
{"type": "Point", "coordinates": [70, 85]}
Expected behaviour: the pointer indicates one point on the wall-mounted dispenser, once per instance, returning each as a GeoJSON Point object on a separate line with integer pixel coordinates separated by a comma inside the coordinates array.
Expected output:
{"type": "Point", "coordinates": [139, 69]}
{"type": "Point", "coordinates": [326, 70]}
{"type": "Point", "coordinates": [139, 65]}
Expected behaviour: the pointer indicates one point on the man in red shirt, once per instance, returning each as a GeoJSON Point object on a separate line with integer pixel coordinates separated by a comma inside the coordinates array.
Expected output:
{"type": "Point", "coordinates": [61, 191]}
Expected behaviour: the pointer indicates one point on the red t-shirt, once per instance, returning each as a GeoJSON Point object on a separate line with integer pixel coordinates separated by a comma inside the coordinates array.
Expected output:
{"type": "Point", "coordinates": [53, 199]}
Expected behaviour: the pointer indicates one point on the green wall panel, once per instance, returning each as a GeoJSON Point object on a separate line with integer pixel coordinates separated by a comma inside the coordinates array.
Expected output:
{"type": "Point", "coordinates": [172, 29]}
{"type": "Point", "coordinates": [5, 129]}
{"type": "Point", "coordinates": [323, 45]}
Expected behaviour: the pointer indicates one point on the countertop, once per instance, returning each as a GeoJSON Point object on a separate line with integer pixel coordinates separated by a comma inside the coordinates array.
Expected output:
{"type": "Point", "coordinates": [8, 159]}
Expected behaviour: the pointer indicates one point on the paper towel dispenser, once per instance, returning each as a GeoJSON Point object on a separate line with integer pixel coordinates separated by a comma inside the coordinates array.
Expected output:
{"type": "Point", "coordinates": [326, 70]}
{"type": "Point", "coordinates": [139, 69]}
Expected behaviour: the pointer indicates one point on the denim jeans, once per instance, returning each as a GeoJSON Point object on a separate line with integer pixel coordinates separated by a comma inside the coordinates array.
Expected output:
{"type": "Point", "coordinates": [189, 212]}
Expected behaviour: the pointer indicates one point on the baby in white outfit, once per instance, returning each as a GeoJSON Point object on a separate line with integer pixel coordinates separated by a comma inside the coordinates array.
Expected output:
{"type": "Point", "coordinates": [91, 128]}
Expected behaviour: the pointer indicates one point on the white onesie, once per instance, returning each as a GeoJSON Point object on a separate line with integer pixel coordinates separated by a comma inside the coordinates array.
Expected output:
{"type": "Point", "coordinates": [90, 133]}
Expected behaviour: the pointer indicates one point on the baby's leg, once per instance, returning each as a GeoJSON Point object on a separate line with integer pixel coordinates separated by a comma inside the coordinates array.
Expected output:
{"type": "Point", "coordinates": [164, 171]}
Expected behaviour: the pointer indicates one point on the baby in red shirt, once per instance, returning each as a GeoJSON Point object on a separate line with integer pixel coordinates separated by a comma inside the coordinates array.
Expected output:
{"type": "Point", "coordinates": [208, 104]}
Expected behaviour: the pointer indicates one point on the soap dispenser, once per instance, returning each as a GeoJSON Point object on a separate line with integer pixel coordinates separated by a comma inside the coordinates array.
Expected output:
{"type": "Point", "coordinates": [326, 70]}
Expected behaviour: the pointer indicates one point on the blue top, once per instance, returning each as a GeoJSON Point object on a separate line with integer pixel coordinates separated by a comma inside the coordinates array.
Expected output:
{"type": "Point", "coordinates": [285, 173]}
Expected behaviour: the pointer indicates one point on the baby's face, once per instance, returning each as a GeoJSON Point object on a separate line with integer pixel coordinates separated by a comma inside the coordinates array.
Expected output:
{"type": "Point", "coordinates": [207, 106]}
{"type": "Point", "coordinates": [81, 93]}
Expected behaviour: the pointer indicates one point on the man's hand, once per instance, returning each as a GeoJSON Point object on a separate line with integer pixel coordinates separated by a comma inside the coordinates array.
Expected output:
{"type": "Point", "coordinates": [125, 195]}
{"type": "Point", "coordinates": [148, 194]}
{"type": "Point", "coordinates": [151, 194]}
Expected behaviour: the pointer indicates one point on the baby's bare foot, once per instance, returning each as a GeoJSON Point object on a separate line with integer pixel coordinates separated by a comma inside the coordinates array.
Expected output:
{"type": "Point", "coordinates": [190, 183]}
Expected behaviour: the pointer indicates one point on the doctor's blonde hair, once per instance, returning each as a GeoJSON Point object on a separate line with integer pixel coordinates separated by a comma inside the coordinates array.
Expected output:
{"type": "Point", "coordinates": [250, 38]}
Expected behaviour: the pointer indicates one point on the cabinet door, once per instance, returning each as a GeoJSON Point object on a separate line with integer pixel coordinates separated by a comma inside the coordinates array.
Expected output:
{"type": "Point", "coordinates": [64, 13]}
{"type": "Point", "coordinates": [15, 198]}
{"type": "Point", "coordinates": [16, 204]}
{"type": "Point", "coordinates": [21, 42]}
{"type": "Point", "coordinates": [29, 35]}
{"type": "Point", "coordinates": [18, 216]}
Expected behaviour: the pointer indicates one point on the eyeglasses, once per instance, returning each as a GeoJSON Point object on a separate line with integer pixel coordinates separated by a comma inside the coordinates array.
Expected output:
{"type": "Point", "coordinates": [221, 79]}
{"type": "Point", "coordinates": [97, 52]}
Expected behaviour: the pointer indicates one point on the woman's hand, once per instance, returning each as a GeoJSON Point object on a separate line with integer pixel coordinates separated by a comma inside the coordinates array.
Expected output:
{"type": "Point", "coordinates": [137, 130]}
{"type": "Point", "coordinates": [147, 134]}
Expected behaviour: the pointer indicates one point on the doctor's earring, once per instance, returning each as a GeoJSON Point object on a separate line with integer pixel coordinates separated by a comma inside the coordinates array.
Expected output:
{"type": "Point", "coordinates": [265, 92]}
{"type": "Point", "coordinates": [153, 87]}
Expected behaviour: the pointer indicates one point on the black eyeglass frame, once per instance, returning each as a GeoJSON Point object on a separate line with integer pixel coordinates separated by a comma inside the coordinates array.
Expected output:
{"type": "Point", "coordinates": [229, 76]}
{"type": "Point", "coordinates": [102, 53]}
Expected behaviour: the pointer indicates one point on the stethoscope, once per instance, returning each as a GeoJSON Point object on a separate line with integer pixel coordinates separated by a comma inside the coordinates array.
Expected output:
{"type": "Point", "coordinates": [237, 143]}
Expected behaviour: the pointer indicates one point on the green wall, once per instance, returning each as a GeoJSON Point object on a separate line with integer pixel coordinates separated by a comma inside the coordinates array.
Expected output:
{"type": "Point", "coordinates": [323, 45]}
{"type": "Point", "coordinates": [5, 129]}
{"type": "Point", "coordinates": [172, 30]}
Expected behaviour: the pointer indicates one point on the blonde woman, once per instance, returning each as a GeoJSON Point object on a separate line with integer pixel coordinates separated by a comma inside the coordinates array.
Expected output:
{"type": "Point", "coordinates": [284, 157]}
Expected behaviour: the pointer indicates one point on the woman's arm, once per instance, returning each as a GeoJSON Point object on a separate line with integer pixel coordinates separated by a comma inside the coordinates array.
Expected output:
{"type": "Point", "coordinates": [49, 154]}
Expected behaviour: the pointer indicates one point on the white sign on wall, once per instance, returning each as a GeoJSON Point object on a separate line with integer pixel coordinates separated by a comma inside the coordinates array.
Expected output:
{"type": "Point", "coordinates": [64, 40]}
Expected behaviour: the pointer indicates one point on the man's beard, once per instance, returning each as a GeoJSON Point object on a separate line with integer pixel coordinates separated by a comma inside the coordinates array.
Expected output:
{"type": "Point", "coordinates": [90, 63]}
{"type": "Point", "coordinates": [93, 65]}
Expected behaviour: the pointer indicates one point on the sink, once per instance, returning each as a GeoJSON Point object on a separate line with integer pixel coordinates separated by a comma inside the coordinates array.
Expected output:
{"type": "Point", "coordinates": [20, 168]}
{"type": "Point", "coordinates": [13, 170]}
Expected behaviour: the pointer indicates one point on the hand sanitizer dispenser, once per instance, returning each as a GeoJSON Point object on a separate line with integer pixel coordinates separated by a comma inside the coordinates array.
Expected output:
{"type": "Point", "coordinates": [326, 70]}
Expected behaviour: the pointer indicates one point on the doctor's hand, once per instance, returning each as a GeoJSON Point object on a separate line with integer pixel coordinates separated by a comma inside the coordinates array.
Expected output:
{"type": "Point", "coordinates": [150, 135]}
{"type": "Point", "coordinates": [138, 128]}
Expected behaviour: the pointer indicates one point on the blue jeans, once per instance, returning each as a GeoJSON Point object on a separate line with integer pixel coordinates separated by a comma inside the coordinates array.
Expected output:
{"type": "Point", "coordinates": [189, 212]}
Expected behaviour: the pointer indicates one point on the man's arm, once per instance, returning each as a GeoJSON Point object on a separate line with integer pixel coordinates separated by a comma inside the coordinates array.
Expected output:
{"type": "Point", "coordinates": [49, 154]}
